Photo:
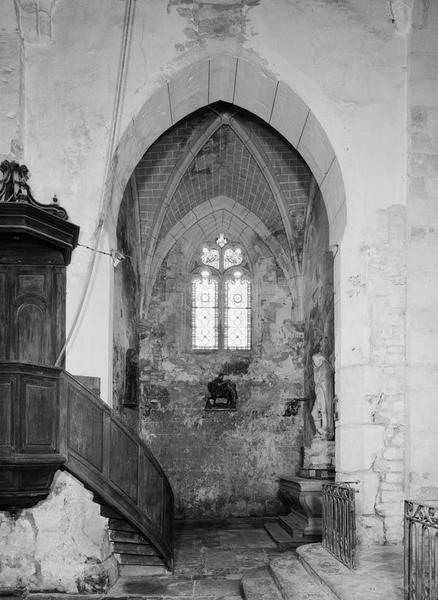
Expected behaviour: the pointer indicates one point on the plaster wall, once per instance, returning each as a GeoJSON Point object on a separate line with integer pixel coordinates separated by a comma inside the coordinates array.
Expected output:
{"type": "Point", "coordinates": [11, 69]}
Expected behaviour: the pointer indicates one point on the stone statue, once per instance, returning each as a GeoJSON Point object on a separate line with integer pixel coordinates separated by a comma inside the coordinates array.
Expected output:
{"type": "Point", "coordinates": [131, 379]}
{"type": "Point", "coordinates": [323, 408]}
{"type": "Point", "coordinates": [221, 388]}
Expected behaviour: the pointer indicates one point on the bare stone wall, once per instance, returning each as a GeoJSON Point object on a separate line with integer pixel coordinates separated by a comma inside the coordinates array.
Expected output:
{"type": "Point", "coordinates": [422, 238]}
{"type": "Point", "coordinates": [222, 464]}
{"type": "Point", "coordinates": [61, 545]}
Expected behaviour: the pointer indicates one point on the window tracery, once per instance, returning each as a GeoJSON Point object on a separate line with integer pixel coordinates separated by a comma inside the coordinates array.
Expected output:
{"type": "Point", "coordinates": [221, 298]}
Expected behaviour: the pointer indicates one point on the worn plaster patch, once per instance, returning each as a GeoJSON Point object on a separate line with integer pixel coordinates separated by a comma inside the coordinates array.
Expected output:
{"type": "Point", "coordinates": [213, 19]}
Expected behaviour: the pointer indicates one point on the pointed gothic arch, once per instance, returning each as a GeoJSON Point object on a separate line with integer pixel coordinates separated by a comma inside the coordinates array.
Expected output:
{"type": "Point", "coordinates": [246, 85]}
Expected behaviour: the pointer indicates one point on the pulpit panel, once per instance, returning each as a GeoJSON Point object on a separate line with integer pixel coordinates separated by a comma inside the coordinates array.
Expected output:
{"type": "Point", "coordinates": [39, 415]}
{"type": "Point", "coordinates": [6, 414]}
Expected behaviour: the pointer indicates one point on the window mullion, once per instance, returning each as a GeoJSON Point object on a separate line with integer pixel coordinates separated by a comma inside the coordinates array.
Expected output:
{"type": "Point", "coordinates": [221, 314]}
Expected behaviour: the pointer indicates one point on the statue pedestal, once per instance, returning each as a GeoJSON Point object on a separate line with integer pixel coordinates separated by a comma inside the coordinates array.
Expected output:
{"type": "Point", "coordinates": [320, 456]}
{"type": "Point", "coordinates": [301, 494]}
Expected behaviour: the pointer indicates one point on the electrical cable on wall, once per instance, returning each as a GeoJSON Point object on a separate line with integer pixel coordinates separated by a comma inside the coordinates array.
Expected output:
{"type": "Point", "coordinates": [116, 256]}
{"type": "Point", "coordinates": [128, 23]}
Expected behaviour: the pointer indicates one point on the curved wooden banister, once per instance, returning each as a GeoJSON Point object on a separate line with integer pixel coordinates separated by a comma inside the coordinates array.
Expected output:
{"type": "Point", "coordinates": [49, 420]}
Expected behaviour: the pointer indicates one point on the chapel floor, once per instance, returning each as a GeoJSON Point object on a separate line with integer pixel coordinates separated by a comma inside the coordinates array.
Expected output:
{"type": "Point", "coordinates": [209, 563]}
{"type": "Point", "coordinates": [227, 561]}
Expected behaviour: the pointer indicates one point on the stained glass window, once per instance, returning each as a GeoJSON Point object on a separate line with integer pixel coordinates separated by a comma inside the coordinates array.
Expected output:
{"type": "Point", "coordinates": [221, 298]}
{"type": "Point", "coordinates": [232, 257]}
{"type": "Point", "coordinates": [210, 257]}
{"type": "Point", "coordinates": [204, 312]}
{"type": "Point", "coordinates": [237, 322]}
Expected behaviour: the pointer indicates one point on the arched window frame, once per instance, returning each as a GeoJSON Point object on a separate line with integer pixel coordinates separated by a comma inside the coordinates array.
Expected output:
{"type": "Point", "coordinates": [221, 275]}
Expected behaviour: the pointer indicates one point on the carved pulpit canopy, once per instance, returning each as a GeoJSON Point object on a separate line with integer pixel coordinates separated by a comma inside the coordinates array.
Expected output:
{"type": "Point", "coordinates": [14, 188]}
{"type": "Point", "coordinates": [21, 215]}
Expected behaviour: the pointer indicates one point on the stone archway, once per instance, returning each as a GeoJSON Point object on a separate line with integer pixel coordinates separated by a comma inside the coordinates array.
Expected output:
{"type": "Point", "coordinates": [164, 339]}
{"type": "Point", "coordinates": [239, 82]}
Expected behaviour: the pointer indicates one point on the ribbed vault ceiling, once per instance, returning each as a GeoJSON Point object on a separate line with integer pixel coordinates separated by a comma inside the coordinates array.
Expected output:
{"type": "Point", "coordinates": [220, 152]}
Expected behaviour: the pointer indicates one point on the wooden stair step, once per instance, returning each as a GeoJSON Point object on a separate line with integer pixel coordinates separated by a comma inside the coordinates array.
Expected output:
{"type": "Point", "coordinates": [139, 549]}
{"type": "Point", "coordinates": [134, 559]}
{"type": "Point", "coordinates": [127, 536]}
{"type": "Point", "coordinates": [280, 536]}
{"type": "Point", "coordinates": [121, 525]}
{"type": "Point", "coordinates": [132, 550]}
{"type": "Point", "coordinates": [110, 513]}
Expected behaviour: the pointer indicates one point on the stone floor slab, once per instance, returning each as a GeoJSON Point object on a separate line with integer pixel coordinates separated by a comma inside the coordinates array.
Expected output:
{"type": "Point", "coordinates": [245, 539]}
{"type": "Point", "coordinates": [152, 587]}
{"type": "Point", "coordinates": [219, 561]}
{"type": "Point", "coordinates": [217, 587]}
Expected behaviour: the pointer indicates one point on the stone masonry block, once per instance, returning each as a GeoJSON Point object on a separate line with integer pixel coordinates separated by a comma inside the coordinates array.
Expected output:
{"type": "Point", "coordinates": [390, 508]}
{"type": "Point", "coordinates": [333, 191]}
{"type": "Point", "coordinates": [351, 390]}
{"type": "Point", "coordinates": [373, 443]}
{"type": "Point", "coordinates": [315, 148]}
{"type": "Point", "coordinates": [255, 89]}
{"type": "Point", "coordinates": [368, 489]}
{"type": "Point", "coordinates": [349, 448]}
{"type": "Point", "coordinates": [289, 114]}
{"type": "Point", "coordinates": [188, 90]}
{"type": "Point", "coordinates": [392, 496]}
{"type": "Point", "coordinates": [222, 75]}
{"type": "Point", "coordinates": [154, 118]}
{"type": "Point", "coordinates": [393, 453]}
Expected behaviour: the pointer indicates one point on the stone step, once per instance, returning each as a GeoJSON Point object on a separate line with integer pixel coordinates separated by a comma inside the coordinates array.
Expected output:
{"type": "Point", "coordinates": [295, 582]}
{"type": "Point", "coordinates": [294, 527]}
{"type": "Point", "coordinates": [138, 559]}
{"type": "Point", "coordinates": [291, 526]}
{"type": "Point", "coordinates": [134, 571]}
{"type": "Point", "coordinates": [258, 584]}
{"type": "Point", "coordinates": [280, 536]}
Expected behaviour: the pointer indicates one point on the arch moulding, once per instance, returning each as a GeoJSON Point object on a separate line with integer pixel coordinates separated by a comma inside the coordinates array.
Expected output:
{"type": "Point", "coordinates": [244, 84]}
{"type": "Point", "coordinates": [202, 222]}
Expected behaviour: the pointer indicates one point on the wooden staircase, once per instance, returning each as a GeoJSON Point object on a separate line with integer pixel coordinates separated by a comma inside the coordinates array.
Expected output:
{"type": "Point", "coordinates": [133, 552]}
{"type": "Point", "coordinates": [51, 421]}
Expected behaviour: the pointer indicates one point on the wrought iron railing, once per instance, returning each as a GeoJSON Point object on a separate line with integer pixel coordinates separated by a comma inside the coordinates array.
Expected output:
{"type": "Point", "coordinates": [421, 551]}
{"type": "Point", "coordinates": [339, 521]}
